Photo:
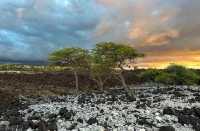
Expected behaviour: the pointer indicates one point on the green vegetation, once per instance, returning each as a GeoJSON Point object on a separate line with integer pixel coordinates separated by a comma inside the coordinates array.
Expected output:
{"type": "Point", "coordinates": [105, 59]}
{"type": "Point", "coordinates": [116, 57]}
{"type": "Point", "coordinates": [150, 75]}
{"type": "Point", "coordinates": [76, 59]}
{"type": "Point", "coordinates": [108, 61]}
{"type": "Point", "coordinates": [100, 68]}
{"type": "Point", "coordinates": [165, 78]}
{"type": "Point", "coordinates": [182, 75]}
{"type": "Point", "coordinates": [100, 71]}
{"type": "Point", "coordinates": [173, 75]}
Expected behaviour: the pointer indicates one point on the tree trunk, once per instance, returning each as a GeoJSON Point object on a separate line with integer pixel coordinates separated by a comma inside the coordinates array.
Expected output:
{"type": "Point", "coordinates": [76, 80]}
{"type": "Point", "coordinates": [123, 81]}
{"type": "Point", "coordinates": [100, 83]}
{"type": "Point", "coordinates": [130, 92]}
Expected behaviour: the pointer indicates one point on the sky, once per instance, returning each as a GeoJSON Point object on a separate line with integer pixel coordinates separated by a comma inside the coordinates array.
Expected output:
{"type": "Point", "coordinates": [167, 31]}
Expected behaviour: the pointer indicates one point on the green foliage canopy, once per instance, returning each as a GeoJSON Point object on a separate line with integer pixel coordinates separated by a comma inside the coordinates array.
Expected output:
{"type": "Point", "coordinates": [76, 58]}
{"type": "Point", "coordinates": [118, 55]}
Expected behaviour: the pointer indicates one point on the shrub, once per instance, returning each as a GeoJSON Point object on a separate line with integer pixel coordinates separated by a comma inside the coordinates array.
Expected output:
{"type": "Point", "coordinates": [165, 78]}
{"type": "Point", "coordinates": [150, 75]}
{"type": "Point", "coordinates": [182, 75]}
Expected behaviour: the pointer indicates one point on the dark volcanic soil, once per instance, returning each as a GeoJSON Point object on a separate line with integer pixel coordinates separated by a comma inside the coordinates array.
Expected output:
{"type": "Point", "coordinates": [37, 84]}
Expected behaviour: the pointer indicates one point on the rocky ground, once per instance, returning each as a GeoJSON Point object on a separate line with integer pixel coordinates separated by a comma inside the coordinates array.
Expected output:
{"type": "Point", "coordinates": [152, 109]}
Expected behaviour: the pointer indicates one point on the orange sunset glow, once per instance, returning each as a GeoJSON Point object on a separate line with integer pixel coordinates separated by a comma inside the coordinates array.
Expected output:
{"type": "Point", "coordinates": [190, 59]}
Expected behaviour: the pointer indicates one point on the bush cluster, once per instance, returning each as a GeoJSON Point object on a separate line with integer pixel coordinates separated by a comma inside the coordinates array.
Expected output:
{"type": "Point", "coordinates": [172, 75]}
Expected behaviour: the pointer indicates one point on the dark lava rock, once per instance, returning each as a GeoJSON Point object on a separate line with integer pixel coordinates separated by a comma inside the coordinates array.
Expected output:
{"type": "Point", "coordinates": [179, 94]}
{"type": "Point", "coordinates": [35, 116]}
{"type": "Point", "coordinates": [105, 125]}
{"type": "Point", "coordinates": [101, 111]}
{"type": "Point", "coordinates": [15, 120]}
{"type": "Point", "coordinates": [196, 111]}
{"type": "Point", "coordinates": [144, 95]}
{"type": "Point", "coordinates": [186, 116]}
{"type": "Point", "coordinates": [73, 126]}
{"type": "Point", "coordinates": [133, 112]}
{"type": "Point", "coordinates": [80, 120]}
{"type": "Point", "coordinates": [160, 91]}
{"type": "Point", "coordinates": [143, 100]}
{"type": "Point", "coordinates": [52, 126]}
{"type": "Point", "coordinates": [166, 128]}
{"type": "Point", "coordinates": [25, 125]}
{"type": "Point", "coordinates": [112, 98]}
{"type": "Point", "coordinates": [33, 125]}
{"type": "Point", "coordinates": [100, 101]}
{"type": "Point", "coordinates": [187, 111]}
{"type": "Point", "coordinates": [197, 98]}
{"type": "Point", "coordinates": [157, 99]}
{"type": "Point", "coordinates": [144, 121]}
{"type": "Point", "coordinates": [130, 98]}
{"type": "Point", "coordinates": [29, 110]}
{"type": "Point", "coordinates": [140, 105]}
{"type": "Point", "coordinates": [52, 116]}
{"type": "Point", "coordinates": [143, 103]}
{"type": "Point", "coordinates": [64, 113]}
{"type": "Point", "coordinates": [179, 89]}
{"type": "Point", "coordinates": [187, 119]}
{"type": "Point", "coordinates": [85, 98]}
{"type": "Point", "coordinates": [82, 99]}
{"type": "Point", "coordinates": [124, 108]}
{"type": "Point", "coordinates": [42, 126]}
{"type": "Point", "coordinates": [170, 111]}
{"type": "Point", "coordinates": [192, 100]}
{"type": "Point", "coordinates": [117, 92]}
{"type": "Point", "coordinates": [196, 94]}
{"type": "Point", "coordinates": [92, 121]}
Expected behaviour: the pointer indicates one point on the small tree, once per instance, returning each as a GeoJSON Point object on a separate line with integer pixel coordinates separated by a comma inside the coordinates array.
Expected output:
{"type": "Point", "coordinates": [100, 74]}
{"type": "Point", "coordinates": [100, 68]}
{"type": "Point", "coordinates": [118, 56]}
{"type": "Point", "coordinates": [75, 59]}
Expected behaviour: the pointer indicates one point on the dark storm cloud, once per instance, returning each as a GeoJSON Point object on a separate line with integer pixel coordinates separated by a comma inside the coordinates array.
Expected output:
{"type": "Point", "coordinates": [30, 29]}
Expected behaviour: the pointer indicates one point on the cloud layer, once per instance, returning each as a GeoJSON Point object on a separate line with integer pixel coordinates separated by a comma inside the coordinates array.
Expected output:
{"type": "Point", "coordinates": [30, 29]}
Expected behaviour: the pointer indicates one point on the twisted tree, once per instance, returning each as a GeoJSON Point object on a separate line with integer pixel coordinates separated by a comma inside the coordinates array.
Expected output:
{"type": "Point", "coordinates": [75, 59]}
{"type": "Point", "coordinates": [117, 57]}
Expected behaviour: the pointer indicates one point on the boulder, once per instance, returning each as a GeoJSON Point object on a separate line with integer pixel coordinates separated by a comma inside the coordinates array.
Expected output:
{"type": "Point", "coordinates": [166, 128]}
{"type": "Point", "coordinates": [64, 113]}
{"type": "Point", "coordinates": [80, 120]}
{"type": "Point", "coordinates": [92, 121]}
{"type": "Point", "coordinates": [52, 126]}
{"type": "Point", "coordinates": [170, 111]}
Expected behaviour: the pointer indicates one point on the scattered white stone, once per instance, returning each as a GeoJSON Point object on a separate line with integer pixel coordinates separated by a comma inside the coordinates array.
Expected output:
{"type": "Point", "coordinates": [158, 118]}
{"type": "Point", "coordinates": [4, 123]}
{"type": "Point", "coordinates": [114, 115]}
{"type": "Point", "coordinates": [29, 129]}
